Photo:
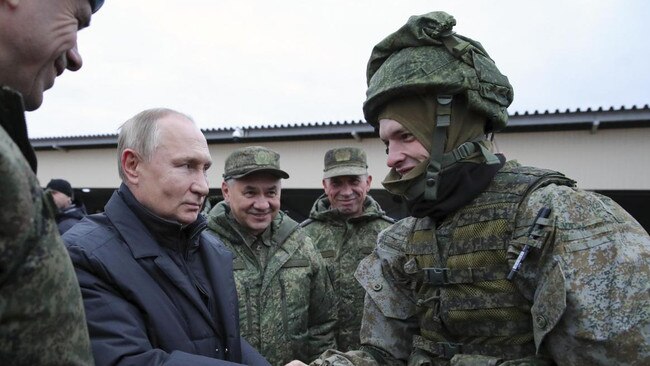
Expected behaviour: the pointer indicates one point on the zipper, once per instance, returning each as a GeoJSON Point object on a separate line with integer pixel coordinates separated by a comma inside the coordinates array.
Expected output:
{"type": "Point", "coordinates": [285, 316]}
{"type": "Point", "coordinates": [249, 312]}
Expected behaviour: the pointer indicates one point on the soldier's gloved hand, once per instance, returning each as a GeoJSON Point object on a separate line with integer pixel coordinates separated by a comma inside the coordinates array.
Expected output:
{"type": "Point", "coordinates": [296, 363]}
{"type": "Point", "coordinates": [476, 360]}
{"type": "Point", "coordinates": [351, 358]}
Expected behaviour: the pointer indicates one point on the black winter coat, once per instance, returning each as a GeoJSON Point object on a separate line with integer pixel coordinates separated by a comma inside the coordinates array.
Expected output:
{"type": "Point", "coordinates": [140, 306]}
{"type": "Point", "coordinates": [68, 217]}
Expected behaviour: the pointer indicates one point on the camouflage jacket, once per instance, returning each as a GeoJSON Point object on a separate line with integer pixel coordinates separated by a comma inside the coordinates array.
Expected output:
{"type": "Point", "coordinates": [344, 242]}
{"type": "Point", "coordinates": [287, 305]}
{"type": "Point", "coordinates": [588, 286]}
{"type": "Point", "coordinates": [41, 313]}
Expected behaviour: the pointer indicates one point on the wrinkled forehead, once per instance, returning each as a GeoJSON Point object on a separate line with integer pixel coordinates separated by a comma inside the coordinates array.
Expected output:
{"type": "Point", "coordinates": [183, 140]}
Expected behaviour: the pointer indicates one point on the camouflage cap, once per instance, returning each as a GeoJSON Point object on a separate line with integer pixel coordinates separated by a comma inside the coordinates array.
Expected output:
{"type": "Point", "coordinates": [345, 161]}
{"type": "Point", "coordinates": [252, 159]}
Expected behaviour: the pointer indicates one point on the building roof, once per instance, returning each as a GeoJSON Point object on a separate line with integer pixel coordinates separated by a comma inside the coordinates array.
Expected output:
{"type": "Point", "coordinates": [622, 117]}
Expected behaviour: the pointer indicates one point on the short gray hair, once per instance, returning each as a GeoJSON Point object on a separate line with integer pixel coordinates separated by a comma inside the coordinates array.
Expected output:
{"type": "Point", "coordinates": [140, 133]}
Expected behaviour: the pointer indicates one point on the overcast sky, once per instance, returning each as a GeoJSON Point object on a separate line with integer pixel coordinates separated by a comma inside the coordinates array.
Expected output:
{"type": "Point", "coordinates": [238, 63]}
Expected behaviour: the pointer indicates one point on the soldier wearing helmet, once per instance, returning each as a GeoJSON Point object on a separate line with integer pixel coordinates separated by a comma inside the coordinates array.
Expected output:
{"type": "Point", "coordinates": [498, 263]}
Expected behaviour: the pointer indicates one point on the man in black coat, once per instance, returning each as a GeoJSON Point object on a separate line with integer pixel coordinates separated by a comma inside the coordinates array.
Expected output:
{"type": "Point", "coordinates": [69, 212]}
{"type": "Point", "coordinates": [156, 289]}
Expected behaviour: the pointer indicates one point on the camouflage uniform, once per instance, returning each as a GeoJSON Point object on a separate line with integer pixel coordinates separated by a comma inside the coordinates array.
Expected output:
{"type": "Point", "coordinates": [347, 233]}
{"type": "Point", "coordinates": [441, 289]}
{"type": "Point", "coordinates": [286, 302]}
{"type": "Point", "coordinates": [581, 296]}
{"type": "Point", "coordinates": [344, 242]}
{"type": "Point", "coordinates": [287, 306]}
{"type": "Point", "coordinates": [41, 313]}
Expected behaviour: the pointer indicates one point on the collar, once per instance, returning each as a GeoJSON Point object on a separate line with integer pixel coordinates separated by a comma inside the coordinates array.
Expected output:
{"type": "Point", "coordinates": [322, 210]}
{"type": "Point", "coordinates": [12, 120]}
{"type": "Point", "coordinates": [248, 238]}
{"type": "Point", "coordinates": [167, 233]}
{"type": "Point", "coordinates": [459, 185]}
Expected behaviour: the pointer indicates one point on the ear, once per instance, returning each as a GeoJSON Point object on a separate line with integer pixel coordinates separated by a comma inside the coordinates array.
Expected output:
{"type": "Point", "coordinates": [324, 183]}
{"type": "Point", "coordinates": [225, 191]}
{"type": "Point", "coordinates": [130, 161]}
{"type": "Point", "coordinates": [369, 181]}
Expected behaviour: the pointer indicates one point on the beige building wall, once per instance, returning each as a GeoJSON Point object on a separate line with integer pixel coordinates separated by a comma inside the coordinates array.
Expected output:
{"type": "Point", "coordinates": [610, 159]}
{"type": "Point", "coordinates": [94, 168]}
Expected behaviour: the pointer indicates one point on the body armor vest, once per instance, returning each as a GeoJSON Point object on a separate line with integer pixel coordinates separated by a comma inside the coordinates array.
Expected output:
{"type": "Point", "coordinates": [465, 302]}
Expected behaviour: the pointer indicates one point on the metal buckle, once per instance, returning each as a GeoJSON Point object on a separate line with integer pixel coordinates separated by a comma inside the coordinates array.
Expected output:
{"type": "Point", "coordinates": [450, 349]}
{"type": "Point", "coordinates": [436, 276]}
{"type": "Point", "coordinates": [444, 99]}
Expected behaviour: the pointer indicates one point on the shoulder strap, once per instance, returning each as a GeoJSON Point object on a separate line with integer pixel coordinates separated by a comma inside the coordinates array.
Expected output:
{"type": "Point", "coordinates": [388, 218]}
{"type": "Point", "coordinates": [287, 227]}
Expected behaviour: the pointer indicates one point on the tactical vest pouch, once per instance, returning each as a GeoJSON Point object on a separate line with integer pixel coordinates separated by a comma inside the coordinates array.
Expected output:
{"type": "Point", "coordinates": [328, 253]}
{"type": "Point", "coordinates": [391, 302]}
{"type": "Point", "coordinates": [549, 306]}
{"type": "Point", "coordinates": [452, 276]}
{"type": "Point", "coordinates": [449, 350]}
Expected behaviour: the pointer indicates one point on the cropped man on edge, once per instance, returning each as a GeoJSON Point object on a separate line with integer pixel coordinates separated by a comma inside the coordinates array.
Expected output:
{"type": "Point", "coordinates": [41, 314]}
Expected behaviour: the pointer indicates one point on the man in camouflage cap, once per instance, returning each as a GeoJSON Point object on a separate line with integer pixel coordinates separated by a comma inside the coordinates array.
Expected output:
{"type": "Point", "coordinates": [344, 224]}
{"type": "Point", "coordinates": [499, 263]}
{"type": "Point", "coordinates": [41, 313]}
{"type": "Point", "coordinates": [287, 306]}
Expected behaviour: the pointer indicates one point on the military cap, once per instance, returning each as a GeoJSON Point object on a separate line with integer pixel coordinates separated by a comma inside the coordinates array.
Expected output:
{"type": "Point", "coordinates": [253, 159]}
{"type": "Point", "coordinates": [96, 4]}
{"type": "Point", "coordinates": [345, 161]}
{"type": "Point", "coordinates": [60, 185]}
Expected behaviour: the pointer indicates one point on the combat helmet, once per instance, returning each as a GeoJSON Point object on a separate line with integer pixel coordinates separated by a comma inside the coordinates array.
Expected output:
{"type": "Point", "coordinates": [426, 57]}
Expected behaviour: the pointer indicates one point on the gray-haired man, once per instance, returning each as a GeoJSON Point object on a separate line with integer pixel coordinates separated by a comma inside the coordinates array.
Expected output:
{"type": "Point", "coordinates": [158, 290]}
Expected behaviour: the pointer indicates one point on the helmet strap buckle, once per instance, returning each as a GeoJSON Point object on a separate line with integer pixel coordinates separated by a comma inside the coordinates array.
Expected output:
{"type": "Point", "coordinates": [443, 120]}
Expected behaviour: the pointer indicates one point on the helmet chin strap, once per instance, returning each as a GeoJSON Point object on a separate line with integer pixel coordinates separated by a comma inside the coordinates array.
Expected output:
{"type": "Point", "coordinates": [438, 159]}
{"type": "Point", "coordinates": [443, 120]}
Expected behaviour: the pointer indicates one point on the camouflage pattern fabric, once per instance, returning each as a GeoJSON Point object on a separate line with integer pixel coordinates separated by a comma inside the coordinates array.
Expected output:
{"type": "Point", "coordinates": [345, 161]}
{"type": "Point", "coordinates": [287, 307]}
{"type": "Point", "coordinates": [250, 159]}
{"type": "Point", "coordinates": [344, 242]}
{"type": "Point", "coordinates": [426, 56]}
{"type": "Point", "coordinates": [588, 285]}
{"type": "Point", "coordinates": [42, 318]}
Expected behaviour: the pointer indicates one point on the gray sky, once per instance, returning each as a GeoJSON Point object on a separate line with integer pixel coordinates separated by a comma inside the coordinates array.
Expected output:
{"type": "Point", "coordinates": [238, 63]}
